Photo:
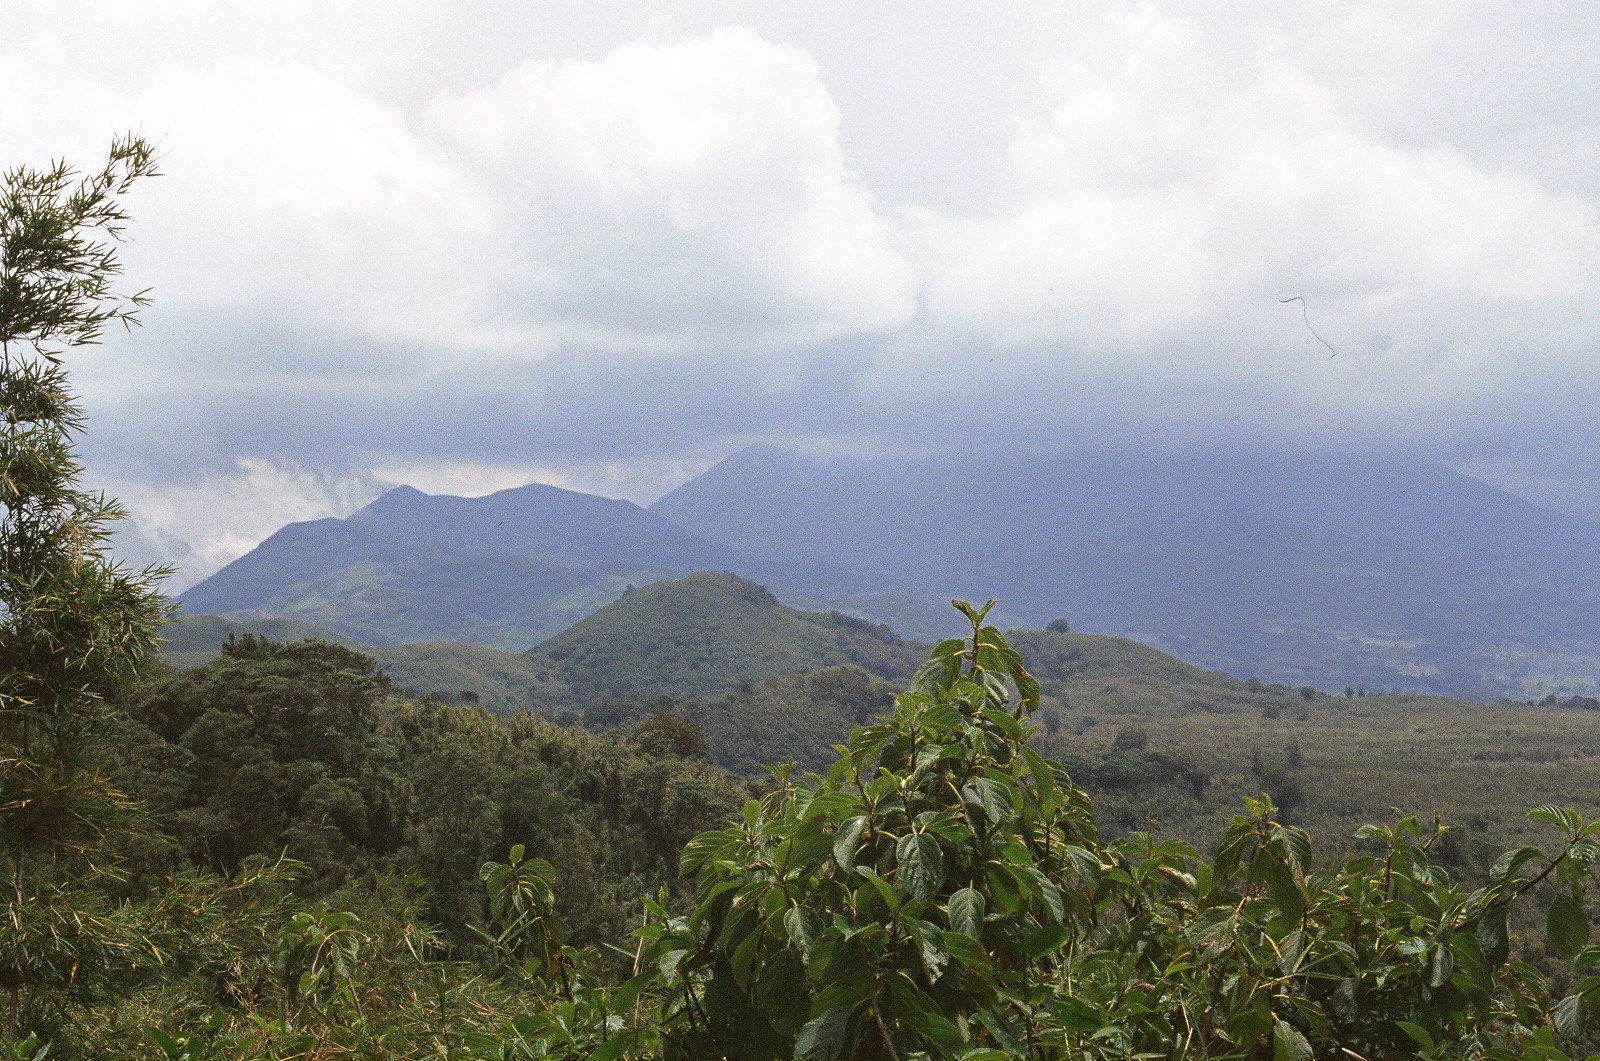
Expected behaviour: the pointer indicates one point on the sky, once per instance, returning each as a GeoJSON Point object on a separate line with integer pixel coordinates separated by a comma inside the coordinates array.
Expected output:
{"type": "Point", "coordinates": [466, 246]}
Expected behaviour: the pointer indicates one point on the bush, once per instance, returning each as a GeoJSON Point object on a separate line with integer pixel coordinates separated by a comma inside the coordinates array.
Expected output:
{"type": "Point", "coordinates": [1130, 739]}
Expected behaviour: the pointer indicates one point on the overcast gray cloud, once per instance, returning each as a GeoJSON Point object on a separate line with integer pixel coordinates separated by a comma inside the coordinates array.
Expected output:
{"type": "Point", "coordinates": [470, 245]}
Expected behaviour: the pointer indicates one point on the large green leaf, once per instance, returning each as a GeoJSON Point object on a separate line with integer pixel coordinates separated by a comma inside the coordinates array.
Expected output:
{"type": "Point", "coordinates": [800, 926]}
{"type": "Point", "coordinates": [1566, 925]}
{"type": "Point", "coordinates": [965, 912]}
{"type": "Point", "coordinates": [846, 840]}
{"type": "Point", "coordinates": [1003, 888]}
{"type": "Point", "coordinates": [993, 797]}
{"type": "Point", "coordinates": [930, 940]}
{"type": "Point", "coordinates": [1493, 932]}
{"type": "Point", "coordinates": [1570, 1016]}
{"type": "Point", "coordinates": [1283, 884]}
{"type": "Point", "coordinates": [611, 1049]}
{"type": "Point", "coordinates": [1510, 862]}
{"type": "Point", "coordinates": [1563, 817]}
{"type": "Point", "coordinates": [823, 1039]}
{"type": "Point", "coordinates": [1044, 939]}
{"type": "Point", "coordinates": [1288, 1044]}
{"type": "Point", "coordinates": [1212, 932]}
{"type": "Point", "coordinates": [1085, 863]}
{"type": "Point", "coordinates": [1418, 1034]}
{"type": "Point", "coordinates": [1000, 1028]}
{"type": "Point", "coordinates": [921, 865]}
{"type": "Point", "coordinates": [1075, 1015]}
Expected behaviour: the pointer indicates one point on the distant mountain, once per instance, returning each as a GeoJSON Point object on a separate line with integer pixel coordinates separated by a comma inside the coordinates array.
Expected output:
{"type": "Point", "coordinates": [503, 571]}
{"type": "Point", "coordinates": [1294, 565]}
{"type": "Point", "coordinates": [704, 634]}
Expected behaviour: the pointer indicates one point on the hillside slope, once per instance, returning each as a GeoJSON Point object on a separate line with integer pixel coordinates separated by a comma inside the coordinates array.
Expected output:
{"type": "Point", "coordinates": [703, 634]}
{"type": "Point", "coordinates": [503, 682]}
{"type": "Point", "coordinates": [191, 640]}
{"type": "Point", "coordinates": [1386, 573]}
{"type": "Point", "coordinates": [506, 570]}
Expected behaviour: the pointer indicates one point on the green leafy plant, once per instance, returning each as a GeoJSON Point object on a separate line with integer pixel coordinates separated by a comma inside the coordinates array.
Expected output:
{"type": "Point", "coordinates": [942, 892]}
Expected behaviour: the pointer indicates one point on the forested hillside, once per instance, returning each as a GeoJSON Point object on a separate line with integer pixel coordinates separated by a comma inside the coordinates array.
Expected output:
{"type": "Point", "coordinates": [384, 809]}
{"type": "Point", "coordinates": [706, 633]}
{"type": "Point", "coordinates": [302, 751]}
{"type": "Point", "coordinates": [1152, 737]}
{"type": "Point", "coordinates": [502, 682]}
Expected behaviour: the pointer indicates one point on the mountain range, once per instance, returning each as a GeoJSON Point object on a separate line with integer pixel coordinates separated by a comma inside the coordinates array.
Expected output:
{"type": "Point", "coordinates": [702, 635]}
{"type": "Point", "coordinates": [1294, 566]}
{"type": "Point", "coordinates": [503, 571]}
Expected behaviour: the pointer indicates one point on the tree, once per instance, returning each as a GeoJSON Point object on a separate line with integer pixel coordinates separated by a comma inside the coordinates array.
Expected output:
{"type": "Point", "coordinates": [73, 622]}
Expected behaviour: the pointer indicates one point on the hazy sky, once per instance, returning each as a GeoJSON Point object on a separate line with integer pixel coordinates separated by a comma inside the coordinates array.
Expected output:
{"type": "Point", "coordinates": [468, 245]}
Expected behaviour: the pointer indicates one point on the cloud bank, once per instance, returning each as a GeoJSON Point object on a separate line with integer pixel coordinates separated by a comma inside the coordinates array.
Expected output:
{"type": "Point", "coordinates": [461, 247]}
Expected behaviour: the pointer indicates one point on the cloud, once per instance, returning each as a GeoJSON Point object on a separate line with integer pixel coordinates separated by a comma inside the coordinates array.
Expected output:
{"type": "Point", "coordinates": [669, 197]}
{"type": "Point", "coordinates": [199, 526]}
{"type": "Point", "coordinates": [1177, 190]}
{"type": "Point", "coordinates": [684, 193]}
{"type": "Point", "coordinates": [602, 246]}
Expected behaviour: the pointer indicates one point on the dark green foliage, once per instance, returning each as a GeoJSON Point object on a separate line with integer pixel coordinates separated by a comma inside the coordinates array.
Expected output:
{"type": "Point", "coordinates": [666, 732]}
{"type": "Point", "coordinates": [942, 892]}
{"type": "Point", "coordinates": [799, 716]}
{"type": "Point", "coordinates": [189, 640]}
{"type": "Point", "coordinates": [1064, 656]}
{"type": "Point", "coordinates": [269, 748]}
{"type": "Point", "coordinates": [301, 750]}
{"type": "Point", "coordinates": [1136, 771]}
{"type": "Point", "coordinates": [1130, 739]}
{"type": "Point", "coordinates": [503, 682]}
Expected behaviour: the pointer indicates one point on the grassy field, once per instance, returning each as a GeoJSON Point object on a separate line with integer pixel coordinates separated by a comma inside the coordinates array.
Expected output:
{"type": "Point", "coordinates": [1348, 760]}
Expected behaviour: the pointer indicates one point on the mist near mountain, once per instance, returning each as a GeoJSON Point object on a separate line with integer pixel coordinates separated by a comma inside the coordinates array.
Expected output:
{"type": "Point", "coordinates": [1298, 565]}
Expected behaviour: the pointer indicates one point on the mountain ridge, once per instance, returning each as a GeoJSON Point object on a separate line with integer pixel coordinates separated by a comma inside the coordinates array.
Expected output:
{"type": "Point", "coordinates": [505, 570]}
{"type": "Point", "coordinates": [1294, 566]}
{"type": "Point", "coordinates": [1291, 564]}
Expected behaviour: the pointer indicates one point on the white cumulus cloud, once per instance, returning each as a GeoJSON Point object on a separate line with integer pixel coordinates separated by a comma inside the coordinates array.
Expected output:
{"type": "Point", "coordinates": [1178, 185]}
{"type": "Point", "coordinates": [678, 194]}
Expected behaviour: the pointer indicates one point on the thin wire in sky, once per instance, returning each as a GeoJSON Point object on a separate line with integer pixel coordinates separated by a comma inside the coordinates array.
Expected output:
{"type": "Point", "coordinates": [1306, 317]}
